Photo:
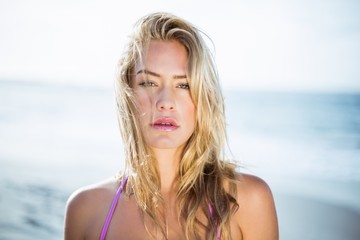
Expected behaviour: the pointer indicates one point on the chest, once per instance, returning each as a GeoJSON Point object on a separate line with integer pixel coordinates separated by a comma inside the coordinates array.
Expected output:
{"type": "Point", "coordinates": [129, 223]}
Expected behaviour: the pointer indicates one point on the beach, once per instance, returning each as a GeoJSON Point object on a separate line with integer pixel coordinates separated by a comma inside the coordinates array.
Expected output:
{"type": "Point", "coordinates": [56, 138]}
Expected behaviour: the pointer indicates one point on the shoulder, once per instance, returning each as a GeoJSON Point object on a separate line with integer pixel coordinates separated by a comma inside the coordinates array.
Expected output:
{"type": "Point", "coordinates": [256, 215]}
{"type": "Point", "coordinates": [85, 205]}
{"type": "Point", "coordinates": [91, 194]}
{"type": "Point", "coordinates": [252, 188]}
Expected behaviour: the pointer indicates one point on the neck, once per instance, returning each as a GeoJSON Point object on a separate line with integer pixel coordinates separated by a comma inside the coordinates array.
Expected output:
{"type": "Point", "coordinates": [168, 162]}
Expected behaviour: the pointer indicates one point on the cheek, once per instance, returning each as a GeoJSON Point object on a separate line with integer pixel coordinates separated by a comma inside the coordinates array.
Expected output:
{"type": "Point", "coordinates": [190, 112]}
{"type": "Point", "coordinates": [143, 102]}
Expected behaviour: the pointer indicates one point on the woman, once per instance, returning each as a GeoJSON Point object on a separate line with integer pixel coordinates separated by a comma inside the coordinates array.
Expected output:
{"type": "Point", "coordinates": [176, 184]}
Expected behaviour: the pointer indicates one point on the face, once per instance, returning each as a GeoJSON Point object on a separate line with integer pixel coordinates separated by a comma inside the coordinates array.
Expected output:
{"type": "Point", "coordinates": [160, 84]}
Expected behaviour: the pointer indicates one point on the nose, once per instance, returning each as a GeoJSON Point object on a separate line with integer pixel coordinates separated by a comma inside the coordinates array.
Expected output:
{"type": "Point", "coordinates": [165, 100]}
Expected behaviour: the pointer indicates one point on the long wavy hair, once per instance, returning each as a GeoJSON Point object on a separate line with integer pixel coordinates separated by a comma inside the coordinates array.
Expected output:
{"type": "Point", "coordinates": [203, 172]}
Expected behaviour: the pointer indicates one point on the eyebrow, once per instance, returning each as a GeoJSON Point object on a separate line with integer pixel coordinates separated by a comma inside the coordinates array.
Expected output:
{"type": "Point", "coordinates": [145, 71]}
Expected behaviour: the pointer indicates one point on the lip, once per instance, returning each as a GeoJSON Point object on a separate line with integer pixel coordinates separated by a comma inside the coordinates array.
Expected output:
{"type": "Point", "coordinates": [165, 124]}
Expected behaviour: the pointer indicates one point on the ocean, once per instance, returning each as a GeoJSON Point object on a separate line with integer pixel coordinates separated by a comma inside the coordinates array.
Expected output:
{"type": "Point", "coordinates": [56, 138]}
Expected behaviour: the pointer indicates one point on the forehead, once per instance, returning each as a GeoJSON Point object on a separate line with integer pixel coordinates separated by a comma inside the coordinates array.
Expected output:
{"type": "Point", "coordinates": [169, 54]}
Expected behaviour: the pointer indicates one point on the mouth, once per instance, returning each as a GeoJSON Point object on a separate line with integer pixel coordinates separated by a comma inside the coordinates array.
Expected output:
{"type": "Point", "coordinates": [165, 124]}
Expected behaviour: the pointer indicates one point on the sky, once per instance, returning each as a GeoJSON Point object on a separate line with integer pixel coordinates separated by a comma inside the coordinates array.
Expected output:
{"type": "Point", "coordinates": [258, 45]}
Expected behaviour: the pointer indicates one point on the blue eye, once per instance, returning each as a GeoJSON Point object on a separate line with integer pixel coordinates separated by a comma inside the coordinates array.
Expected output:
{"type": "Point", "coordinates": [147, 84]}
{"type": "Point", "coordinates": [184, 86]}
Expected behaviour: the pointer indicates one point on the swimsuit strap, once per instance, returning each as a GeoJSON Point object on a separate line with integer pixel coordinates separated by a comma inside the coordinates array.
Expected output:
{"type": "Point", "coordinates": [112, 209]}
{"type": "Point", "coordinates": [218, 234]}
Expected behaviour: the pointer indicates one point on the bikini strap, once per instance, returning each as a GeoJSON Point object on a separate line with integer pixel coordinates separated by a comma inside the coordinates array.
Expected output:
{"type": "Point", "coordinates": [218, 233]}
{"type": "Point", "coordinates": [112, 209]}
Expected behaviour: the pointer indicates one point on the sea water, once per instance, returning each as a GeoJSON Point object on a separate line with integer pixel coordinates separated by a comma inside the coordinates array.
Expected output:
{"type": "Point", "coordinates": [56, 138]}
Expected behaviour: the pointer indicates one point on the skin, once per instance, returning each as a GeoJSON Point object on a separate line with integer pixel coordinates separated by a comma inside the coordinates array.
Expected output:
{"type": "Point", "coordinates": [165, 95]}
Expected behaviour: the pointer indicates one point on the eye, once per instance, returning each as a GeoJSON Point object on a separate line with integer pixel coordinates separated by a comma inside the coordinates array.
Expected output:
{"type": "Point", "coordinates": [147, 84]}
{"type": "Point", "coordinates": [184, 86]}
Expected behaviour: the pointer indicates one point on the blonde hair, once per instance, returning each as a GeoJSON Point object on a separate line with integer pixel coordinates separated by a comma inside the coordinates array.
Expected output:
{"type": "Point", "coordinates": [202, 173]}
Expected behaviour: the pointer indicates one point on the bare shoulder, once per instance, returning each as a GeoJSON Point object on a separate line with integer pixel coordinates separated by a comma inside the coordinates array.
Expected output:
{"type": "Point", "coordinates": [82, 194]}
{"type": "Point", "coordinates": [86, 207]}
{"type": "Point", "coordinates": [253, 187]}
{"type": "Point", "coordinates": [256, 216]}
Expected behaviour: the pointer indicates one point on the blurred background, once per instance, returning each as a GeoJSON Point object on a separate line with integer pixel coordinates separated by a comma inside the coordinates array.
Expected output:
{"type": "Point", "coordinates": [291, 80]}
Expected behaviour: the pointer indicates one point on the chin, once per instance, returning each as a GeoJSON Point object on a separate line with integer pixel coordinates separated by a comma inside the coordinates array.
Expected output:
{"type": "Point", "coordinates": [167, 144]}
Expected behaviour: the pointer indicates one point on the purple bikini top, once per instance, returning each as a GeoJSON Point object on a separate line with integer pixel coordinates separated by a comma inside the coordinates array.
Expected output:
{"type": "Point", "coordinates": [114, 204]}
